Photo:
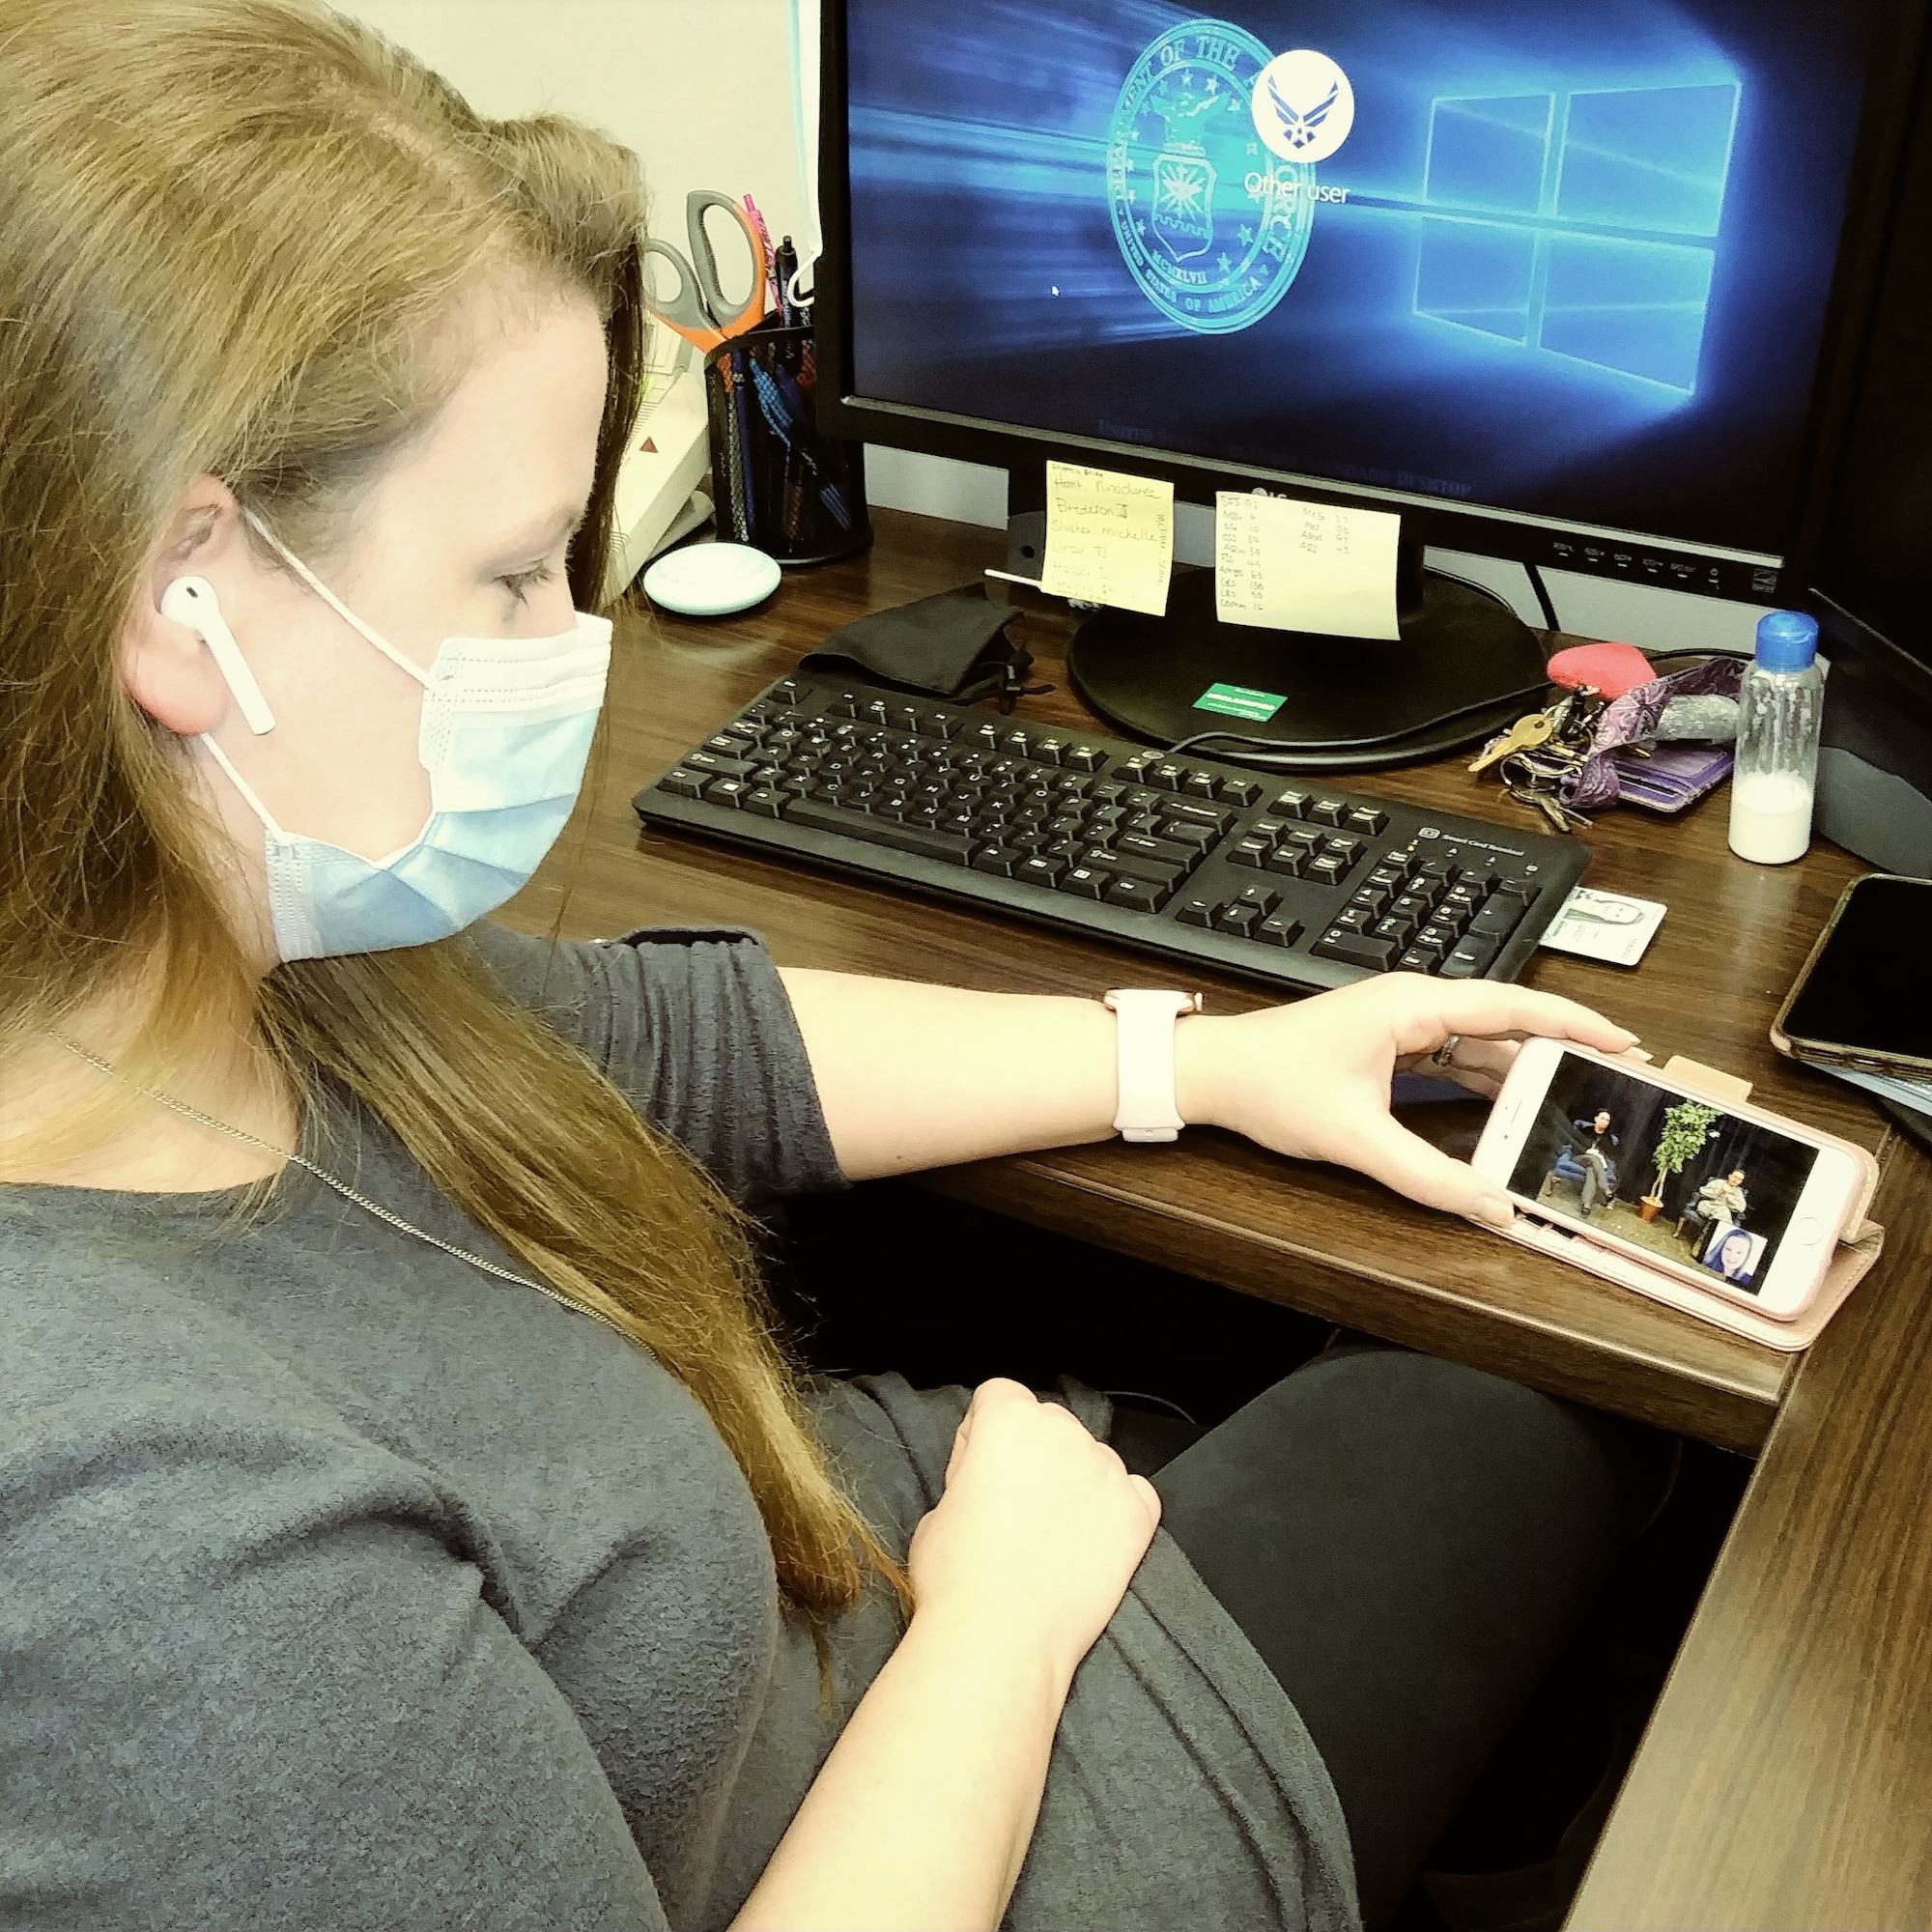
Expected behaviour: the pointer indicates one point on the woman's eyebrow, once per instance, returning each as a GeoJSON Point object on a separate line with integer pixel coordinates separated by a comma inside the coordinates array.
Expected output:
{"type": "Point", "coordinates": [540, 536]}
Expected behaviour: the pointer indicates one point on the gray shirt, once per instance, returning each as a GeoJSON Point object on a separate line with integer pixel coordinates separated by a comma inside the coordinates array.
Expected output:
{"type": "Point", "coordinates": [348, 1586]}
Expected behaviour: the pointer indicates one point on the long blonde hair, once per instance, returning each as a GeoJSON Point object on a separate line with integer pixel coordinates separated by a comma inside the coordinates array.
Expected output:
{"type": "Point", "coordinates": [232, 236]}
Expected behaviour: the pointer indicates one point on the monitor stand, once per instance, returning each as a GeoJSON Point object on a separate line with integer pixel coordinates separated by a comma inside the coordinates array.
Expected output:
{"type": "Point", "coordinates": [1464, 667]}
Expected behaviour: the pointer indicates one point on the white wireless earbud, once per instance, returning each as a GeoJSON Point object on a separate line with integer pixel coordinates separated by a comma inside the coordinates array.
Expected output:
{"type": "Point", "coordinates": [191, 601]}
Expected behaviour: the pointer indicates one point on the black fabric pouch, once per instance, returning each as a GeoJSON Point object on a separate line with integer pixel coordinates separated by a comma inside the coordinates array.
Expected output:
{"type": "Point", "coordinates": [952, 646]}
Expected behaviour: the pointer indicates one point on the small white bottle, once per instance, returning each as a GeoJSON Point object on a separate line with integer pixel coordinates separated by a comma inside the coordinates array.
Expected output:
{"type": "Point", "coordinates": [1777, 768]}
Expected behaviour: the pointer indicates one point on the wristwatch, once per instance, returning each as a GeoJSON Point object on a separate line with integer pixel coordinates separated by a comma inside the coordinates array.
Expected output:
{"type": "Point", "coordinates": [1145, 1031]}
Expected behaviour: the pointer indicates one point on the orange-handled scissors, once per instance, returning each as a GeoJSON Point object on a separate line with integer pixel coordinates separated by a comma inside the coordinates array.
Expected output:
{"type": "Point", "coordinates": [699, 310]}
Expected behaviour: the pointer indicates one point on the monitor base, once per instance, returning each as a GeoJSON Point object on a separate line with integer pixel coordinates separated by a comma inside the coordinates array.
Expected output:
{"type": "Point", "coordinates": [1464, 667]}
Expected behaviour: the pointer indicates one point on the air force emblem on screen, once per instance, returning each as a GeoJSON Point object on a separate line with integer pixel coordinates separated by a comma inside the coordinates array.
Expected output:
{"type": "Point", "coordinates": [1212, 225]}
{"type": "Point", "coordinates": [1303, 105]}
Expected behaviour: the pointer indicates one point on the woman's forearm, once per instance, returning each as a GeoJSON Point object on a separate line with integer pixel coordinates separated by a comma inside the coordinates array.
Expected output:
{"type": "Point", "coordinates": [922, 1813]}
{"type": "Point", "coordinates": [914, 1076]}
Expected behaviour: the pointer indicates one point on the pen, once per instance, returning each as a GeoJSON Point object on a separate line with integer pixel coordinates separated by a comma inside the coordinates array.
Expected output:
{"type": "Point", "coordinates": [774, 288]}
{"type": "Point", "coordinates": [786, 261]}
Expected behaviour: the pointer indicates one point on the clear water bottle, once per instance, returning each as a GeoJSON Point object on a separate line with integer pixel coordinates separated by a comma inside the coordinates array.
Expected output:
{"type": "Point", "coordinates": [1778, 712]}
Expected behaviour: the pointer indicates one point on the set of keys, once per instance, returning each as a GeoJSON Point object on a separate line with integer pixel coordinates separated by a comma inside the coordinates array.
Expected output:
{"type": "Point", "coordinates": [1536, 755]}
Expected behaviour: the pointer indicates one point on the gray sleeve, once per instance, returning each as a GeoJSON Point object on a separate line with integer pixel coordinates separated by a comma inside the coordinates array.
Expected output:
{"type": "Point", "coordinates": [694, 1024]}
{"type": "Point", "coordinates": [253, 1685]}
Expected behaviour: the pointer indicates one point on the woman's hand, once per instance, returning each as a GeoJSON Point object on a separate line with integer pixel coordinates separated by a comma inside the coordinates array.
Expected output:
{"type": "Point", "coordinates": [1313, 1079]}
{"type": "Point", "coordinates": [1039, 1531]}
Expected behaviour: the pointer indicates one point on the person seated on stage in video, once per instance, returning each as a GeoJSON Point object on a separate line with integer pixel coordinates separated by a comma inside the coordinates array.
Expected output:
{"type": "Point", "coordinates": [1721, 1199]}
{"type": "Point", "coordinates": [1732, 1258]}
{"type": "Point", "coordinates": [1592, 1152]}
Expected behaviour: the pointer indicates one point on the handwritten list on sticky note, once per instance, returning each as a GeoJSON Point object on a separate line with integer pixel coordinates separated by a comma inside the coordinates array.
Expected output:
{"type": "Point", "coordinates": [1287, 566]}
{"type": "Point", "coordinates": [1109, 538]}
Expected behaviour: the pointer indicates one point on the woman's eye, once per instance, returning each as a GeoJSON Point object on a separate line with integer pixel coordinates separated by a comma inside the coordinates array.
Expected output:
{"type": "Point", "coordinates": [518, 583]}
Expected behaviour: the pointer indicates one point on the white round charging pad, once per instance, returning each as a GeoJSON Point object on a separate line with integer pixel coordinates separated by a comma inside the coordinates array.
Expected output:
{"type": "Point", "coordinates": [711, 579]}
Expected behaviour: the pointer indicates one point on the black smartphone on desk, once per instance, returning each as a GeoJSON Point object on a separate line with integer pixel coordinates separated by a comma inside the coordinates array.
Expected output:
{"type": "Point", "coordinates": [1861, 1000]}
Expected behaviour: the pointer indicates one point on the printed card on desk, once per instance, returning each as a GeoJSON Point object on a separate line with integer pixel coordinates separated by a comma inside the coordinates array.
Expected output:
{"type": "Point", "coordinates": [1287, 566]}
{"type": "Point", "coordinates": [1109, 538]}
{"type": "Point", "coordinates": [1604, 925]}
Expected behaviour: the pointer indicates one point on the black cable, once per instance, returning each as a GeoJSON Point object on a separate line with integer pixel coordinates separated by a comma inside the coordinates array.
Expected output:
{"type": "Point", "coordinates": [1273, 752]}
{"type": "Point", "coordinates": [1543, 597]}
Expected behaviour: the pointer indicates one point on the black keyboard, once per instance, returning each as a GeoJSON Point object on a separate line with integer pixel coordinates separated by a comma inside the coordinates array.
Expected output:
{"type": "Point", "coordinates": [1294, 882]}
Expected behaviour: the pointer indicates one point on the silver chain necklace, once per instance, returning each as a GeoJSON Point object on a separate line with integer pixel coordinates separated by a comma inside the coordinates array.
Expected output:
{"type": "Point", "coordinates": [328, 1180]}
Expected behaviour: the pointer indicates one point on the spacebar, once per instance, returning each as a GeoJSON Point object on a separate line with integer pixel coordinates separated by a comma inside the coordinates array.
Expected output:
{"type": "Point", "coordinates": [822, 817]}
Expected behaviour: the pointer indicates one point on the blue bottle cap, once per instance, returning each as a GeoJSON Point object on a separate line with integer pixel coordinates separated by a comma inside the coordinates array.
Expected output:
{"type": "Point", "coordinates": [1787, 640]}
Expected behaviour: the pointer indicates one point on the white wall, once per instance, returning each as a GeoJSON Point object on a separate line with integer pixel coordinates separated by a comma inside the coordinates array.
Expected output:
{"type": "Point", "coordinates": [702, 91]}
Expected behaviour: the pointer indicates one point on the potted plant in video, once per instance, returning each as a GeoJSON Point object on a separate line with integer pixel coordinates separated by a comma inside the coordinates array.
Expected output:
{"type": "Point", "coordinates": [1687, 1126]}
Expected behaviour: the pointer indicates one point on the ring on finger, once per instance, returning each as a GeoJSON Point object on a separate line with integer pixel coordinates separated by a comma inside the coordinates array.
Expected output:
{"type": "Point", "coordinates": [1445, 1054]}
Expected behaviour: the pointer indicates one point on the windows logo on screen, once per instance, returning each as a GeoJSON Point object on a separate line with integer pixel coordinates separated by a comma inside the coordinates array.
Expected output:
{"type": "Point", "coordinates": [1582, 225]}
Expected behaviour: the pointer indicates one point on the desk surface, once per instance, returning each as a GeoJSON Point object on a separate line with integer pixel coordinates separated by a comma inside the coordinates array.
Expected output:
{"type": "Point", "coordinates": [1328, 1241]}
{"type": "Point", "coordinates": [1783, 1779]}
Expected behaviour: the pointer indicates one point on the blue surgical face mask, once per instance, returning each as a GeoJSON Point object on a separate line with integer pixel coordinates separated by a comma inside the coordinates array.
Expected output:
{"type": "Point", "coordinates": [506, 730]}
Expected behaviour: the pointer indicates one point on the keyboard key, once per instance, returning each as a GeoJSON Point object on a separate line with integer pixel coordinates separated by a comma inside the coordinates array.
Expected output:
{"type": "Point", "coordinates": [1086, 882]}
{"type": "Point", "coordinates": [1354, 918]}
{"type": "Point", "coordinates": [909, 836]}
{"type": "Point", "coordinates": [1376, 897]}
{"type": "Point", "coordinates": [1329, 869]}
{"type": "Point", "coordinates": [1253, 852]}
{"type": "Point", "coordinates": [1237, 791]}
{"type": "Point", "coordinates": [1107, 792]}
{"type": "Point", "coordinates": [1497, 919]}
{"type": "Point", "coordinates": [1039, 872]}
{"type": "Point", "coordinates": [1290, 805]}
{"type": "Point", "coordinates": [765, 802]}
{"type": "Point", "coordinates": [1184, 832]}
{"type": "Point", "coordinates": [1463, 893]}
{"type": "Point", "coordinates": [999, 860]}
{"type": "Point", "coordinates": [786, 692]}
{"type": "Point", "coordinates": [1438, 935]}
{"type": "Point", "coordinates": [1169, 854]}
{"type": "Point", "coordinates": [1191, 812]}
{"type": "Point", "coordinates": [717, 765]}
{"type": "Point", "coordinates": [1268, 828]}
{"type": "Point", "coordinates": [1259, 898]}
{"type": "Point", "coordinates": [1167, 775]}
{"type": "Point", "coordinates": [1470, 960]}
{"type": "Point", "coordinates": [1418, 959]}
{"type": "Point", "coordinates": [1328, 810]}
{"type": "Point", "coordinates": [1525, 890]}
{"type": "Point", "coordinates": [1199, 784]}
{"type": "Point", "coordinates": [1355, 949]}
{"type": "Point", "coordinates": [1136, 768]}
{"type": "Point", "coordinates": [1362, 819]}
{"type": "Point", "coordinates": [1400, 930]}
{"type": "Point", "coordinates": [1280, 930]}
{"type": "Point", "coordinates": [1240, 920]}
{"type": "Point", "coordinates": [1129, 864]}
{"type": "Point", "coordinates": [1084, 758]}
{"type": "Point", "coordinates": [1197, 912]}
{"type": "Point", "coordinates": [1137, 895]}
{"type": "Point", "coordinates": [1288, 861]}
{"type": "Point", "coordinates": [1412, 905]}
{"type": "Point", "coordinates": [727, 791]}
{"type": "Point", "coordinates": [682, 784]}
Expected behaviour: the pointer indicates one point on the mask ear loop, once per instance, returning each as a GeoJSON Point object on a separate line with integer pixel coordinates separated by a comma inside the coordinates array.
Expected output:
{"type": "Point", "coordinates": [334, 603]}
{"type": "Point", "coordinates": [243, 785]}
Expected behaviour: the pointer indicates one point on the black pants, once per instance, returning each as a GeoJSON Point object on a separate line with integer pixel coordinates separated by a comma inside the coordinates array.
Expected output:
{"type": "Point", "coordinates": [1409, 1545]}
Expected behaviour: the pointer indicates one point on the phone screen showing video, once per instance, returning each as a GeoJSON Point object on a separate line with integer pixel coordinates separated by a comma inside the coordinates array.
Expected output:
{"type": "Point", "coordinates": [1678, 1177]}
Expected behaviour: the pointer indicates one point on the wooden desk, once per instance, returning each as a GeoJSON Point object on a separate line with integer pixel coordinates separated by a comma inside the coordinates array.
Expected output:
{"type": "Point", "coordinates": [1786, 1775]}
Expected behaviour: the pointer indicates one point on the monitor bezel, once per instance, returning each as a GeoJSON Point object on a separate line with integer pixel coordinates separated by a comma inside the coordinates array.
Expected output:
{"type": "Point", "coordinates": [1492, 530]}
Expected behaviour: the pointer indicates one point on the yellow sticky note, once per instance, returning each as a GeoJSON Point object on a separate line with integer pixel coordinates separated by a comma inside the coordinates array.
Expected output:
{"type": "Point", "coordinates": [1109, 538]}
{"type": "Point", "coordinates": [1287, 566]}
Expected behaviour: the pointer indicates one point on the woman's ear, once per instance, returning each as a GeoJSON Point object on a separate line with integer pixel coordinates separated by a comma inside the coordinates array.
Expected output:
{"type": "Point", "coordinates": [167, 668]}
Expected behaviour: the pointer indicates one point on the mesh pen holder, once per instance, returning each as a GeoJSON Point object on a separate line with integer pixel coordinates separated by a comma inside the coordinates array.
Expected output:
{"type": "Point", "coordinates": [781, 486]}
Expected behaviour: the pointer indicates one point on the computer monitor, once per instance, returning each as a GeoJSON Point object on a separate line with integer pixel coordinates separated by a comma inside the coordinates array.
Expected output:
{"type": "Point", "coordinates": [1557, 282]}
{"type": "Point", "coordinates": [1870, 585]}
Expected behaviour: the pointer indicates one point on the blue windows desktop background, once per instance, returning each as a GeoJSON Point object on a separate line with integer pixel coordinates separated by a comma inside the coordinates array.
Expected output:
{"type": "Point", "coordinates": [1570, 260]}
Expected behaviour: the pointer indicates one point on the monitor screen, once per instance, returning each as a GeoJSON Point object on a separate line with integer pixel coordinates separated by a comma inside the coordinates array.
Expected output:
{"type": "Point", "coordinates": [1565, 262]}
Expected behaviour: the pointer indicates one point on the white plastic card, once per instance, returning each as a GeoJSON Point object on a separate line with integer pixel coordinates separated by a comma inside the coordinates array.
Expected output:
{"type": "Point", "coordinates": [1604, 925]}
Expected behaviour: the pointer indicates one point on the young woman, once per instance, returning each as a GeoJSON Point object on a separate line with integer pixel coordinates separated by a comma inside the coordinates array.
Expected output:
{"type": "Point", "coordinates": [405, 1514]}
